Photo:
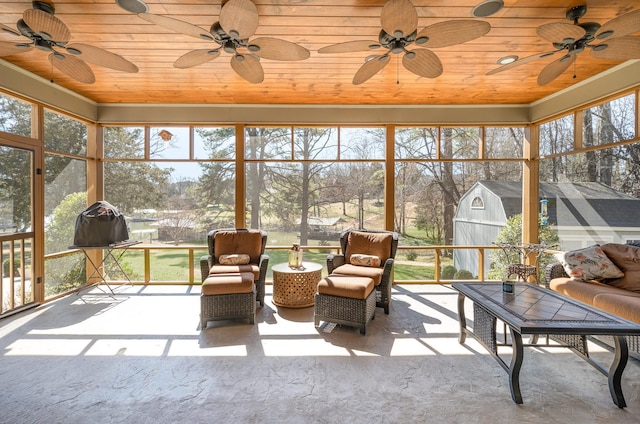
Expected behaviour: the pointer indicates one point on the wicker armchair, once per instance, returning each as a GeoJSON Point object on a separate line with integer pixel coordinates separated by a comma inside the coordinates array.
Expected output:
{"type": "Point", "coordinates": [379, 243]}
{"type": "Point", "coordinates": [233, 241]}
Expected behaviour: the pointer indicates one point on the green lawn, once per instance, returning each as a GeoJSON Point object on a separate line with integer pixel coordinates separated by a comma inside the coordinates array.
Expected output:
{"type": "Point", "coordinates": [172, 265]}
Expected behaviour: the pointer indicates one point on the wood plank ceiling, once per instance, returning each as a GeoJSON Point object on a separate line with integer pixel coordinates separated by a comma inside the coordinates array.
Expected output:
{"type": "Point", "coordinates": [322, 78]}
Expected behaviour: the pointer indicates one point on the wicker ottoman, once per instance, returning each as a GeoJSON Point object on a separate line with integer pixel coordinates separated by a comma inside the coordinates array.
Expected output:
{"type": "Point", "coordinates": [345, 299]}
{"type": "Point", "coordinates": [227, 296]}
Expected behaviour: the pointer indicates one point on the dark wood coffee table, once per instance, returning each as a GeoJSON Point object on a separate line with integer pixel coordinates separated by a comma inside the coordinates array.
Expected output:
{"type": "Point", "coordinates": [536, 311]}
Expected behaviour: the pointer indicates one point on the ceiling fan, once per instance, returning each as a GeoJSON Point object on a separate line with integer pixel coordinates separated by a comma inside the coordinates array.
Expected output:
{"type": "Point", "coordinates": [399, 20]}
{"type": "Point", "coordinates": [238, 22]}
{"type": "Point", "coordinates": [47, 33]}
{"type": "Point", "coordinates": [608, 41]}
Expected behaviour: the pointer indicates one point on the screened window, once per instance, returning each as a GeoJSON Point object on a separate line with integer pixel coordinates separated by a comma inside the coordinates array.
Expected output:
{"type": "Point", "coordinates": [609, 122]}
{"type": "Point", "coordinates": [503, 142]}
{"type": "Point", "coordinates": [169, 143]}
{"type": "Point", "coordinates": [416, 142]}
{"type": "Point", "coordinates": [63, 134]}
{"type": "Point", "coordinates": [460, 143]}
{"type": "Point", "coordinates": [123, 142]}
{"type": "Point", "coordinates": [362, 143]}
{"type": "Point", "coordinates": [15, 116]}
{"type": "Point", "coordinates": [557, 136]}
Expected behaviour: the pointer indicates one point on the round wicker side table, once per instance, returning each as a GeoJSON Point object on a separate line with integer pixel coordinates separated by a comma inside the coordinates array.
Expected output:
{"type": "Point", "coordinates": [295, 287]}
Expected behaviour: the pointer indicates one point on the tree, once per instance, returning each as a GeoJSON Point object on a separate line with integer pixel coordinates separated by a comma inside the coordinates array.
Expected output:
{"type": "Point", "coordinates": [511, 234]}
{"type": "Point", "coordinates": [131, 185]}
{"type": "Point", "coordinates": [59, 231]}
{"type": "Point", "coordinates": [15, 188]}
{"type": "Point", "coordinates": [64, 273]}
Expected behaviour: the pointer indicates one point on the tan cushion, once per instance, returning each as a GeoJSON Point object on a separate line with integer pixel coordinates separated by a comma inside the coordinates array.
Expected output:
{"type": "Point", "coordinates": [377, 244]}
{"type": "Point", "coordinates": [229, 242]}
{"type": "Point", "coordinates": [589, 263]}
{"type": "Point", "coordinates": [234, 269]}
{"type": "Point", "coordinates": [346, 286]}
{"type": "Point", "coordinates": [584, 291]}
{"type": "Point", "coordinates": [235, 259]}
{"type": "Point", "coordinates": [625, 306]}
{"type": "Point", "coordinates": [361, 271]}
{"type": "Point", "coordinates": [365, 260]}
{"type": "Point", "coordinates": [228, 284]}
{"type": "Point", "coordinates": [627, 258]}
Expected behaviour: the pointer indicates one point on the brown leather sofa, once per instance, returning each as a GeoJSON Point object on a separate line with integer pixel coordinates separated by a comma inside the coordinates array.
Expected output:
{"type": "Point", "coordinates": [619, 296]}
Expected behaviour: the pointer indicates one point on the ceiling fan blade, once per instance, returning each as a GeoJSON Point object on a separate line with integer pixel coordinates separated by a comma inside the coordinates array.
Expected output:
{"type": "Point", "coordinates": [47, 25]}
{"type": "Point", "coordinates": [554, 69]}
{"type": "Point", "coordinates": [239, 19]}
{"type": "Point", "coordinates": [8, 48]}
{"type": "Point", "coordinates": [450, 33]}
{"type": "Point", "coordinates": [370, 68]}
{"type": "Point", "coordinates": [350, 47]}
{"type": "Point", "coordinates": [627, 24]}
{"type": "Point", "coordinates": [620, 48]}
{"type": "Point", "coordinates": [178, 26]}
{"type": "Point", "coordinates": [101, 57]}
{"type": "Point", "coordinates": [557, 32]}
{"type": "Point", "coordinates": [522, 61]}
{"type": "Point", "coordinates": [277, 49]}
{"type": "Point", "coordinates": [195, 57]}
{"type": "Point", "coordinates": [8, 30]}
{"type": "Point", "coordinates": [399, 15]}
{"type": "Point", "coordinates": [248, 68]}
{"type": "Point", "coordinates": [75, 68]}
{"type": "Point", "coordinates": [424, 63]}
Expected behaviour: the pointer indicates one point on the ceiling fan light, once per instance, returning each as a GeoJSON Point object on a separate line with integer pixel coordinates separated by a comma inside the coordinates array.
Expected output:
{"type": "Point", "coordinates": [43, 45]}
{"type": "Point", "coordinates": [133, 6]}
{"type": "Point", "coordinates": [422, 40]}
{"type": "Point", "coordinates": [74, 51]}
{"type": "Point", "coordinates": [487, 8]}
{"type": "Point", "coordinates": [605, 34]}
{"type": "Point", "coordinates": [507, 59]}
{"type": "Point", "coordinates": [229, 47]}
{"type": "Point", "coordinates": [574, 51]}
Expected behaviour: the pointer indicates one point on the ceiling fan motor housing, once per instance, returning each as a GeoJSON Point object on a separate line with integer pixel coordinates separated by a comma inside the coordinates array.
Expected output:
{"type": "Point", "coordinates": [396, 44]}
{"type": "Point", "coordinates": [576, 12]}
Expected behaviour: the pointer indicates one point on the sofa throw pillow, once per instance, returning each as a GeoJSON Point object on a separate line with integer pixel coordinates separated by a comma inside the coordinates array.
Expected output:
{"type": "Point", "coordinates": [627, 258]}
{"type": "Point", "coordinates": [234, 259]}
{"type": "Point", "coordinates": [365, 260]}
{"type": "Point", "coordinates": [589, 263]}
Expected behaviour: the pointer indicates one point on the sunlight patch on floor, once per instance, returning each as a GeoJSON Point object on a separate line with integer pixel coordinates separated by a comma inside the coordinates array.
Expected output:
{"type": "Point", "coordinates": [307, 347]}
{"type": "Point", "coordinates": [193, 348]}
{"type": "Point", "coordinates": [47, 347]}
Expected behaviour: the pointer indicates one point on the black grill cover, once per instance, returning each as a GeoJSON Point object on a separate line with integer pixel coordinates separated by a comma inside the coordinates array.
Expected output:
{"type": "Point", "coordinates": [100, 225]}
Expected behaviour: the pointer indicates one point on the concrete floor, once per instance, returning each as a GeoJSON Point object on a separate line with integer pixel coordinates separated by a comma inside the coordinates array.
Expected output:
{"type": "Point", "coordinates": [141, 358]}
